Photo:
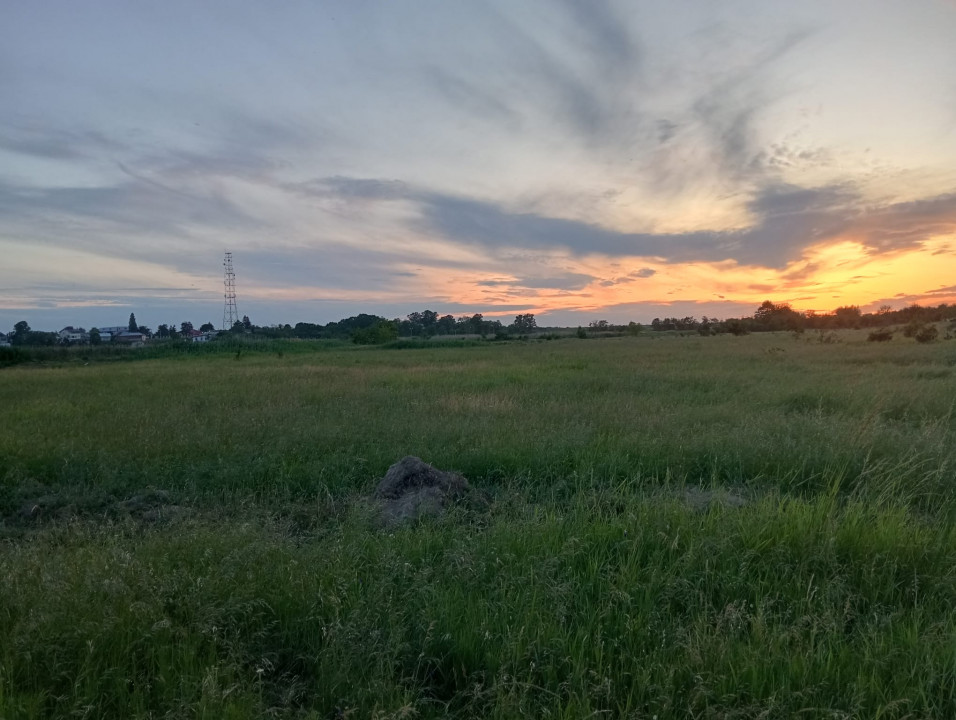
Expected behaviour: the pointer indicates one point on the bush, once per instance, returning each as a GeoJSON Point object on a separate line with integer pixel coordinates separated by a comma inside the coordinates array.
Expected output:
{"type": "Point", "coordinates": [736, 327]}
{"type": "Point", "coordinates": [377, 334]}
{"type": "Point", "coordinates": [881, 335]}
{"type": "Point", "coordinates": [912, 329]}
{"type": "Point", "coordinates": [926, 334]}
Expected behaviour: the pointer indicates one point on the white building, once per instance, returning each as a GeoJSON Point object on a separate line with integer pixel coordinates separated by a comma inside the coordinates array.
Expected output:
{"type": "Point", "coordinates": [71, 334]}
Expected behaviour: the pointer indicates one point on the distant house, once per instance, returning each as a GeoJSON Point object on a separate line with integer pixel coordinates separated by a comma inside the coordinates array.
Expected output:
{"type": "Point", "coordinates": [134, 339]}
{"type": "Point", "coordinates": [113, 330]}
{"type": "Point", "coordinates": [72, 334]}
{"type": "Point", "coordinates": [197, 336]}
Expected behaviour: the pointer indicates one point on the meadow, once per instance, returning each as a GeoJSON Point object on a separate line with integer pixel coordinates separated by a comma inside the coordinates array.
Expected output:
{"type": "Point", "coordinates": [189, 536]}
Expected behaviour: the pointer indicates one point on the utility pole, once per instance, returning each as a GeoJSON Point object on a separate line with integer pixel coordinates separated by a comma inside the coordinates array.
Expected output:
{"type": "Point", "coordinates": [230, 315]}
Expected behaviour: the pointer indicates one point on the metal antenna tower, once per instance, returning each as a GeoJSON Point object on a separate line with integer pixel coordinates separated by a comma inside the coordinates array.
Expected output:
{"type": "Point", "coordinates": [229, 313]}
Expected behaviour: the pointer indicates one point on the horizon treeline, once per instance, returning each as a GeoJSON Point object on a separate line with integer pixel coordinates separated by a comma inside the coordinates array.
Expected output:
{"type": "Point", "coordinates": [366, 328]}
{"type": "Point", "coordinates": [774, 317]}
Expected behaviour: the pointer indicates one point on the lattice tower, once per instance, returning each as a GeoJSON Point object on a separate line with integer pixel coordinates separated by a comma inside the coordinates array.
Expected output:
{"type": "Point", "coordinates": [230, 314]}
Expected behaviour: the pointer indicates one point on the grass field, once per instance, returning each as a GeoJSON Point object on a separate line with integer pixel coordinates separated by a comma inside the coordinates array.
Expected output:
{"type": "Point", "coordinates": [186, 536]}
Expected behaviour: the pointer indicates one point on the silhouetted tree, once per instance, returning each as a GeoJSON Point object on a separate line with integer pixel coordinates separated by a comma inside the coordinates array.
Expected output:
{"type": "Point", "coordinates": [445, 325]}
{"type": "Point", "coordinates": [21, 331]}
{"type": "Point", "coordinates": [524, 324]}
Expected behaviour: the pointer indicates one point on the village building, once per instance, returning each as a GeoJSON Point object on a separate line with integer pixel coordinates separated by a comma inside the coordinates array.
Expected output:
{"type": "Point", "coordinates": [71, 334]}
{"type": "Point", "coordinates": [134, 339]}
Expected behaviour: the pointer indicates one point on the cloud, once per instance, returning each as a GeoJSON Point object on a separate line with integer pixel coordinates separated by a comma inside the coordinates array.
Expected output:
{"type": "Point", "coordinates": [54, 143]}
{"type": "Point", "coordinates": [347, 188]}
{"type": "Point", "coordinates": [138, 206]}
{"type": "Point", "coordinates": [567, 281]}
{"type": "Point", "coordinates": [788, 219]}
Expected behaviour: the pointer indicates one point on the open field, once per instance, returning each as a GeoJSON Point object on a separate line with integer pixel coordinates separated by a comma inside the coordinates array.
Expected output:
{"type": "Point", "coordinates": [185, 537]}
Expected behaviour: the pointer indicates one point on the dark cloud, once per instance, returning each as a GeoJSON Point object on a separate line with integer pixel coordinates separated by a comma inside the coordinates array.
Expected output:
{"type": "Point", "coordinates": [567, 281]}
{"type": "Point", "coordinates": [640, 274]}
{"type": "Point", "coordinates": [907, 225]}
{"type": "Point", "coordinates": [327, 267]}
{"type": "Point", "coordinates": [788, 220]}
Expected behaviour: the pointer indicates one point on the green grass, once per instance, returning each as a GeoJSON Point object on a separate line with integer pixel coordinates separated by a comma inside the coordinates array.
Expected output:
{"type": "Point", "coordinates": [185, 536]}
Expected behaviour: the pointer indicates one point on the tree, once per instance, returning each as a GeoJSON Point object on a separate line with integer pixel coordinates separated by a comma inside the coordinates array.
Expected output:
{"type": "Point", "coordinates": [185, 327]}
{"type": "Point", "coordinates": [95, 338]}
{"type": "Point", "coordinates": [429, 321]}
{"type": "Point", "coordinates": [847, 316]}
{"type": "Point", "coordinates": [777, 317]}
{"type": "Point", "coordinates": [307, 330]}
{"type": "Point", "coordinates": [207, 327]}
{"type": "Point", "coordinates": [21, 331]}
{"type": "Point", "coordinates": [238, 327]}
{"type": "Point", "coordinates": [446, 325]}
{"type": "Point", "coordinates": [246, 323]}
{"type": "Point", "coordinates": [145, 331]}
{"type": "Point", "coordinates": [133, 327]}
{"type": "Point", "coordinates": [162, 331]}
{"type": "Point", "coordinates": [478, 324]}
{"type": "Point", "coordinates": [524, 324]}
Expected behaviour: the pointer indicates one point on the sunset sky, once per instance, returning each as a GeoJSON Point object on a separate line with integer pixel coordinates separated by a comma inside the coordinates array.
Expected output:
{"type": "Point", "coordinates": [576, 159]}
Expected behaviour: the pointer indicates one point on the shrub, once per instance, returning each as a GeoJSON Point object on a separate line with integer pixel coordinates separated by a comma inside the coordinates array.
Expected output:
{"type": "Point", "coordinates": [736, 327]}
{"type": "Point", "coordinates": [378, 334]}
{"type": "Point", "coordinates": [881, 335]}
{"type": "Point", "coordinates": [926, 334]}
{"type": "Point", "coordinates": [912, 329]}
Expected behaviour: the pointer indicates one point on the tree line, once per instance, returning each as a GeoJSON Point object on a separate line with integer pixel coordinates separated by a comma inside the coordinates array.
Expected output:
{"type": "Point", "coordinates": [374, 329]}
{"type": "Point", "coordinates": [774, 317]}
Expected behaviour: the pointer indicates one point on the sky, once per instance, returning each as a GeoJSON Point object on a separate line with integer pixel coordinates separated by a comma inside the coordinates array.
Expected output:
{"type": "Point", "coordinates": [576, 159]}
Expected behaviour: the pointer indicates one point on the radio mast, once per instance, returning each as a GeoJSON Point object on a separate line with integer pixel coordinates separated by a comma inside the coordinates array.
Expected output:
{"type": "Point", "coordinates": [230, 315]}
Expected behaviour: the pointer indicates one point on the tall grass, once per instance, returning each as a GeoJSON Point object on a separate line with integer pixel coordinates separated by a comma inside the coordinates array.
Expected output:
{"type": "Point", "coordinates": [590, 586]}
